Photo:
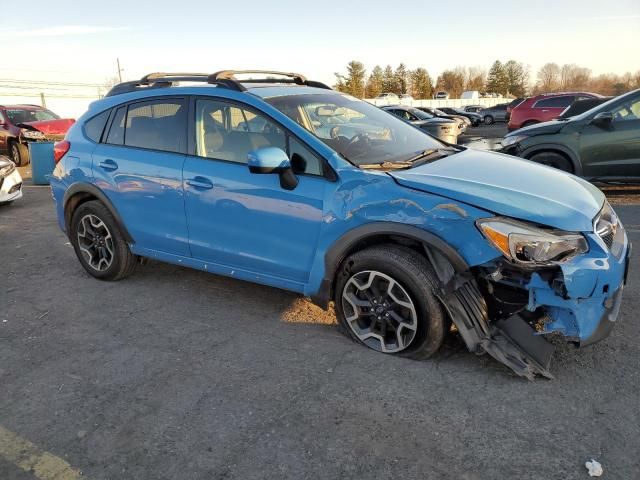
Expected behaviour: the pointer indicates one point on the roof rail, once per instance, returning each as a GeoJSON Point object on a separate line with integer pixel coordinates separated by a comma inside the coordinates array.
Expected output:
{"type": "Point", "coordinates": [223, 78]}
{"type": "Point", "coordinates": [291, 77]}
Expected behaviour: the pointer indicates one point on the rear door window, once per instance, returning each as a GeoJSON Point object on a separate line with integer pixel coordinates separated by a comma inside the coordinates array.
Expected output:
{"type": "Point", "coordinates": [116, 132]}
{"type": "Point", "coordinates": [157, 125]}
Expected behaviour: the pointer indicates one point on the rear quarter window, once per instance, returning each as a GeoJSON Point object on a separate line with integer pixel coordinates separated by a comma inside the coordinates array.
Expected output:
{"type": "Point", "coordinates": [94, 127]}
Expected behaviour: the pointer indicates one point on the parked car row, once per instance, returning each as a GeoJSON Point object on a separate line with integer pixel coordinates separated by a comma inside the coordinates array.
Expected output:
{"type": "Point", "coordinates": [445, 129]}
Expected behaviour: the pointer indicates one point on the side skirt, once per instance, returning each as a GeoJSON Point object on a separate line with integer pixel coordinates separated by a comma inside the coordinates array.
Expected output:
{"type": "Point", "coordinates": [219, 269]}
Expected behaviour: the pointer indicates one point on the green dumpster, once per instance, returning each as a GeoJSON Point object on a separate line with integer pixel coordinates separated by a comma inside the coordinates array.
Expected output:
{"type": "Point", "coordinates": [42, 164]}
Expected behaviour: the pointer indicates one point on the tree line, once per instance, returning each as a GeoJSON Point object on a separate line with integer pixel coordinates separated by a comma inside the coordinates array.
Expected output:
{"type": "Point", "coordinates": [510, 79]}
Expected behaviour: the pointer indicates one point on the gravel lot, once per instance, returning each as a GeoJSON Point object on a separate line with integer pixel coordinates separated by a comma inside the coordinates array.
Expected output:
{"type": "Point", "coordinates": [177, 374]}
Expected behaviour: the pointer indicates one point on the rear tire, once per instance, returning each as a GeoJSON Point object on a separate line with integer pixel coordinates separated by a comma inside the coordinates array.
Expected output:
{"type": "Point", "coordinates": [386, 300]}
{"type": "Point", "coordinates": [99, 243]}
{"type": "Point", "coordinates": [553, 159]}
{"type": "Point", "coordinates": [488, 120]}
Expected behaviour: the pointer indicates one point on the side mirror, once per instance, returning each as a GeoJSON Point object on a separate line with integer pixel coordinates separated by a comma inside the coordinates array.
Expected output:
{"type": "Point", "coordinates": [603, 120]}
{"type": "Point", "coordinates": [273, 160]}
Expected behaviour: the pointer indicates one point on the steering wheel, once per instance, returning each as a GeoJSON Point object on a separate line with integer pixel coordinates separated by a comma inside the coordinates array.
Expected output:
{"type": "Point", "coordinates": [360, 139]}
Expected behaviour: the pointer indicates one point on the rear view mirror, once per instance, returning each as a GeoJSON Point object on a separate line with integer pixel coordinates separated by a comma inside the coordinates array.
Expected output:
{"type": "Point", "coordinates": [603, 120]}
{"type": "Point", "coordinates": [325, 111]}
{"type": "Point", "coordinates": [273, 160]}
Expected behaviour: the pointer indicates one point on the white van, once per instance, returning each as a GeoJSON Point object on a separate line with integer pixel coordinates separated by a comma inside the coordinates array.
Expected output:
{"type": "Point", "coordinates": [470, 95]}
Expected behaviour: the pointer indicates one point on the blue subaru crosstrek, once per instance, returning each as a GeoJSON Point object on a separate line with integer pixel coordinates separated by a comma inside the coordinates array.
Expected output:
{"type": "Point", "coordinates": [280, 180]}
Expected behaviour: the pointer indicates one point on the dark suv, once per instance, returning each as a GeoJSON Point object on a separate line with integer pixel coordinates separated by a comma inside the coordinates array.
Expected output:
{"type": "Point", "coordinates": [20, 124]}
{"type": "Point", "coordinates": [601, 144]}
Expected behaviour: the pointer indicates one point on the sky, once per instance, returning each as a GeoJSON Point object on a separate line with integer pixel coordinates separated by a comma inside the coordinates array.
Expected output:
{"type": "Point", "coordinates": [71, 40]}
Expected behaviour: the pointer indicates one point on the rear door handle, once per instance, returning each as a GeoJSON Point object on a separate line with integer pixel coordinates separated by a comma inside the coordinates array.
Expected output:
{"type": "Point", "coordinates": [108, 165]}
{"type": "Point", "coordinates": [200, 182]}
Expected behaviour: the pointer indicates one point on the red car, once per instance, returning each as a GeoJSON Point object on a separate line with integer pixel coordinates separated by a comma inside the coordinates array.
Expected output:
{"type": "Point", "coordinates": [20, 124]}
{"type": "Point", "coordinates": [543, 108]}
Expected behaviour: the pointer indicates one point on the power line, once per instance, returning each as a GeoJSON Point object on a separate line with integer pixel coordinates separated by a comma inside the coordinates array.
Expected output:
{"type": "Point", "coordinates": [42, 82]}
{"type": "Point", "coordinates": [48, 95]}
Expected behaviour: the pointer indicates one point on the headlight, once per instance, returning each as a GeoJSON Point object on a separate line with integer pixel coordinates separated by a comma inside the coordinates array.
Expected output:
{"type": "Point", "coordinates": [33, 134]}
{"type": "Point", "coordinates": [527, 244]}
{"type": "Point", "coordinates": [512, 140]}
{"type": "Point", "coordinates": [5, 170]}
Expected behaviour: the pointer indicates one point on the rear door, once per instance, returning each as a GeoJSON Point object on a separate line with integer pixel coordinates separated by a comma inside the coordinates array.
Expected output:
{"type": "Point", "coordinates": [139, 165]}
{"type": "Point", "coordinates": [614, 151]}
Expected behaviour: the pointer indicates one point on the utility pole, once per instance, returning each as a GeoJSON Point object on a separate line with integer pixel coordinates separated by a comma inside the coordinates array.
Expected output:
{"type": "Point", "coordinates": [119, 70]}
{"type": "Point", "coordinates": [43, 102]}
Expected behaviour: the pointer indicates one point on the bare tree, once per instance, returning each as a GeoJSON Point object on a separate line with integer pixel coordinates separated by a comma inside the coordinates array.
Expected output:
{"type": "Point", "coordinates": [549, 77]}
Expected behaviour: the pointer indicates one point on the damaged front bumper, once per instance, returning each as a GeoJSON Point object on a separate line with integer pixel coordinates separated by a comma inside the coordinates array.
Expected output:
{"type": "Point", "coordinates": [506, 310]}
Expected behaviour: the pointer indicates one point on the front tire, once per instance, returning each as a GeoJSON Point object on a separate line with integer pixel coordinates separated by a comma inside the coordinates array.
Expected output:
{"type": "Point", "coordinates": [99, 243]}
{"type": "Point", "coordinates": [488, 120]}
{"type": "Point", "coordinates": [386, 300]}
{"type": "Point", "coordinates": [553, 159]}
{"type": "Point", "coordinates": [19, 154]}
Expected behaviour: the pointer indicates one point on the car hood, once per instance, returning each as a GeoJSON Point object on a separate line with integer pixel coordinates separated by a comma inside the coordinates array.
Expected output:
{"type": "Point", "coordinates": [543, 128]}
{"type": "Point", "coordinates": [50, 127]}
{"type": "Point", "coordinates": [509, 186]}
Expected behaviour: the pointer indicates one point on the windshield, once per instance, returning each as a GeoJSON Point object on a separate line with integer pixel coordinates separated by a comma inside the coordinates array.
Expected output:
{"type": "Point", "coordinates": [360, 132]}
{"type": "Point", "coordinates": [23, 115]}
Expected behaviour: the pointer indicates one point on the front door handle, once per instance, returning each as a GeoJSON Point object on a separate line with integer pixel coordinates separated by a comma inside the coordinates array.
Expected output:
{"type": "Point", "coordinates": [200, 182]}
{"type": "Point", "coordinates": [108, 165]}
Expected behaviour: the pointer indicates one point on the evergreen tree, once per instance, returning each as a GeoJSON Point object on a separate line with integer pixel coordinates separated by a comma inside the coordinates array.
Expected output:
{"type": "Point", "coordinates": [353, 82]}
{"type": "Point", "coordinates": [375, 82]}
{"type": "Point", "coordinates": [516, 78]}
{"type": "Point", "coordinates": [388, 80]}
{"type": "Point", "coordinates": [421, 84]}
{"type": "Point", "coordinates": [497, 80]}
{"type": "Point", "coordinates": [402, 79]}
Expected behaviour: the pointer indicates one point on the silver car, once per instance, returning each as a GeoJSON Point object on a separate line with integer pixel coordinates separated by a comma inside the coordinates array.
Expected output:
{"type": "Point", "coordinates": [443, 128]}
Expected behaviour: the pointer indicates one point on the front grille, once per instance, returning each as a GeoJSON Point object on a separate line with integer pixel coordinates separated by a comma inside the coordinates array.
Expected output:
{"type": "Point", "coordinates": [15, 188]}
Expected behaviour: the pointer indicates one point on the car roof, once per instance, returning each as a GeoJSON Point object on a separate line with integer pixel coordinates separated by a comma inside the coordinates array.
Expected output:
{"type": "Point", "coordinates": [560, 94]}
{"type": "Point", "coordinates": [266, 90]}
{"type": "Point", "coordinates": [24, 106]}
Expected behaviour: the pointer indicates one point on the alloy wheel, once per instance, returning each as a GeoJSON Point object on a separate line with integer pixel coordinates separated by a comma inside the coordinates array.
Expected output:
{"type": "Point", "coordinates": [379, 311]}
{"type": "Point", "coordinates": [95, 242]}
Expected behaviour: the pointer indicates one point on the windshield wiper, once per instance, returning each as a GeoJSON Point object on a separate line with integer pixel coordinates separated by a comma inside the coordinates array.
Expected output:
{"type": "Point", "coordinates": [385, 165]}
{"type": "Point", "coordinates": [430, 156]}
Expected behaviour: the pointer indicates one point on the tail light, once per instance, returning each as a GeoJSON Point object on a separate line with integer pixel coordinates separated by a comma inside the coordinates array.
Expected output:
{"type": "Point", "coordinates": [60, 149]}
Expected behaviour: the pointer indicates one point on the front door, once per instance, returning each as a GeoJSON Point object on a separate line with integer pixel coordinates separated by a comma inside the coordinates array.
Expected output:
{"type": "Point", "coordinates": [245, 220]}
{"type": "Point", "coordinates": [613, 151]}
{"type": "Point", "coordinates": [139, 167]}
